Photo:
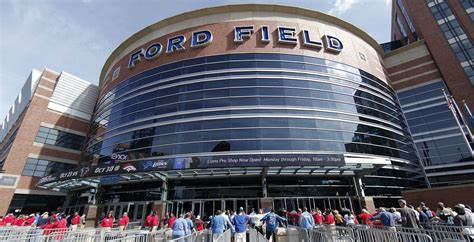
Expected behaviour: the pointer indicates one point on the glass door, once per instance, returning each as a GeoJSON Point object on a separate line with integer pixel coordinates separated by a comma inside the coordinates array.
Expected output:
{"type": "Point", "coordinates": [197, 208]}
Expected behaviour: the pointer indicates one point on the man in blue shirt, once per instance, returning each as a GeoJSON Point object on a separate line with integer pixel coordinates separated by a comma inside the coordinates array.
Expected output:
{"type": "Point", "coordinates": [272, 220]}
{"type": "Point", "coordinates": [189, 222]}
{"type": "Point", "coordinates": [180, 228]}
{"type": "Point", "coordinates": [306, 219]}
{"type": "Point", "coordinates": [219, 223]}
{"type": "Point", "coordinates": [387, 219]}
{"type": "Point", "coordinates": [240, 221]}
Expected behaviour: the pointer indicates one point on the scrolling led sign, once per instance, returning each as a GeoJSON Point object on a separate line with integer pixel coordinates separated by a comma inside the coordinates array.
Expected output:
{"type": "Point", "coordinates": [200, 39]}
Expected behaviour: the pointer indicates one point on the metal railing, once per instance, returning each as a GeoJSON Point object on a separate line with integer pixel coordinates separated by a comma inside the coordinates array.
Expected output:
{"type": "Point", "coordinates": [225, 237]}
{"type": "Point", "coordinates": [324, 233]}
{"type": "Point", "coordinates": [386, 235]}
{"type": "Point", "coordinates": [255, 236]}
{"type": "Point", "coordinates": [438, 232]}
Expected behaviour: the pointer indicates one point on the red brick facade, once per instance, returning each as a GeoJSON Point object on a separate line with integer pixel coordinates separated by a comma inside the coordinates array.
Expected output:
{"type": "Point", "coordinates": [428, 29]}
{"type": "Point", "coordinates": [23, 145]}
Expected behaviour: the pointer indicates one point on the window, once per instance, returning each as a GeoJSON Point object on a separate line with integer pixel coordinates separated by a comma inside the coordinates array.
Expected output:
{"type": "Point", "coordinates": [405, 14]}
{"type": "Point", "coordinates": [454, 33]}
{"type": "Point", "coordinates": [400, 27]}
{"type": "Point", "coordinates": [59, 138]}
{"type": "Point", "coordinates": [39, 167]}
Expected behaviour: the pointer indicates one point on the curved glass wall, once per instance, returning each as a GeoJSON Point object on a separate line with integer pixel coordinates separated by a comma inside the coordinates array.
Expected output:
{"type": "Point", "coordinates": [251, 102]}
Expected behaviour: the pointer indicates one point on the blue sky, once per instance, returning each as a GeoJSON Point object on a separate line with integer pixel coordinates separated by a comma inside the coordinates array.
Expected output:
{"type": "Point", "coordinates": [77, 36]}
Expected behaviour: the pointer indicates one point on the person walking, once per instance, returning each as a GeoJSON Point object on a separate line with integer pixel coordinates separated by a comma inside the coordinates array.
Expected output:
{"type": "Point", "coordinates": [189, 221]}
{"type": "Point", "coordinates": [463, 218]}
{"type": "Point", "coordinates": [108, 222]}
{"type": "Point", "coordinates": [2, 221]}
{"type": "Point", "coordinates": [306, 219]}
{"type": "Point", "coordinates": [272, 220]}
{"type": "Point", "coordinates": [155, 221]}
{"type": "Point", "coordinates": [123, 222]}
{"type": "Point", "coordinates": [30, 220]}
{"type": "Point", "coordinates": [82, 224]}
{"type": "Point", "coordinates": [148, 223]}
{"type": "Point", "coordinates": [408, 216]}
{"type": "Point", "coordinates": [338, 219]}
{"type": "Point", "coordinates": [240, 222]}
{"type": "Point", "coordinates": [199, 223]}
{"type": "Point", "coordinates": [171, 220]}
{"type": "Point", "coordinates": [443, 214]}
{"type": "Point", "coordinates": [387, 219]}
{"type": "Point", "coordinates": [329, 218]}
{"type": "Point", "coordinates": [318, 217]}
{"type": "Point", "coordinates": [365, 217]}
{"type": "Point", "coordinates": [349, 218]}
{"type": "Point", "coordinates": [180, 228]}
{"type": "Point", "coordinates": [219, 223]}
{"type": "Point", "coordinates": [75, 221]}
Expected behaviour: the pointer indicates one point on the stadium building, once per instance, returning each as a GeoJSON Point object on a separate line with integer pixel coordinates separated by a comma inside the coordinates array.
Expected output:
{"type": "Point", "coordinates": [42, 134]}
{"type": "Point", "coordinates": [243, 105]}
{"type": "Point", "coordinates": [433, 66]}
{"type": "Point", "coordinates": [251, 106]}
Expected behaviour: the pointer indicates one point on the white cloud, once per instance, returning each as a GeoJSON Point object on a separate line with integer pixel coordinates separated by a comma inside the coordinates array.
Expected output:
{"type": "Point", "coordinates": [342, 6]}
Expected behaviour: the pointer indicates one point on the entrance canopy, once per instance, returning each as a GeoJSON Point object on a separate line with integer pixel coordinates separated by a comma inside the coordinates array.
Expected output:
{"type": "Point", "coordinates": [126, 172]}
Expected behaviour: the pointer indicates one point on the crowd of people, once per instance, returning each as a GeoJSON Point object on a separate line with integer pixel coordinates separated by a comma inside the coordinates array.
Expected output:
{"type": "Point", "coordinates": [268, 221]}
{"type": "Point", "coordinates": [265, 221]}
{"type": "Point", "coordinates": [58, 222]}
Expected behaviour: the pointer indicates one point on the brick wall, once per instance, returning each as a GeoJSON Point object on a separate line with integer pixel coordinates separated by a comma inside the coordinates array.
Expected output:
{"type": "Point", "coordinates": [450, 196]}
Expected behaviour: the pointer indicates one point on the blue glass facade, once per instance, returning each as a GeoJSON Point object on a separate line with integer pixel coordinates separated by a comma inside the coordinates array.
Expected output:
{"type": "Point", "coordinates": [443, 150]}
{"type": "Point", "coordinates": [248, 103]}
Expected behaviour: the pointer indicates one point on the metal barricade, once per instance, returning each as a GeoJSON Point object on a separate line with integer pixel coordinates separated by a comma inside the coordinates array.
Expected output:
{"type": "Point", "coordinates": [439, 235]}
{"type": "Point", "coordinates": [225, 237]}
{"type": "Point", "coordinates": [380, 234]}
{"type": "Point", "coordinates": [203, 236]}
{"type": "Point", "coordinates": [332, 233]}
{"type": "Point", "coordinates": [255, 236]}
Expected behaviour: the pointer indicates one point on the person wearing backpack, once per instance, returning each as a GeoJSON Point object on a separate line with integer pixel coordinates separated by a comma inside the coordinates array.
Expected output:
{"type": "Point", "coordinates": [444, 214]}
{"type": "Point", "coordinates": [464, 219]}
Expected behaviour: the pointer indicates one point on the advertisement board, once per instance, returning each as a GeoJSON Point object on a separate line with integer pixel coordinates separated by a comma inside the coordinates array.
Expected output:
{"type": "Point", "coordinates": [181, 163]}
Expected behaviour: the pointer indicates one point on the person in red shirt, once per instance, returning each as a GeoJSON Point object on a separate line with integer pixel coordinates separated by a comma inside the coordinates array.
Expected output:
{"type": "Point", "coordinates": [318, 217]}
{"type": "Point", "coordinates": [199, 223]}
{"type": "Point", "coordinates": [76, 219]}
{"type": "Point", "coordinates": [10, 219]}
{"type": "Point", "coordinates": [48, 228]}
{"type": "Point", "coordinates": [2, 221]}
{"type": "Point", "coordinates": [148, 221]}
{"type": "Point", "coordinates": [60, 227]}
{"type": "Point", "coordinates": [171, 220]}
{"type": "Point", "coordinates": [123, 222]}
{"type": "Point", "coordinates": [108, 222]}
{"type": "Point", "coordinates": [30, 220]}
{"type": "Point", "coordinates": [20, 220]}
{"type": "Point", "coordinates": [365, 217]}
{"type": "Point", "coordinates": [156, 221]}
{"type": "Point", "coordinates": [329, 219]}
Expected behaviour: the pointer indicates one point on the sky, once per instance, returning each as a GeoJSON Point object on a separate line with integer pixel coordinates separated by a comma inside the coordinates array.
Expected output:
{"type": "Point", "coordinates": [77, 36]}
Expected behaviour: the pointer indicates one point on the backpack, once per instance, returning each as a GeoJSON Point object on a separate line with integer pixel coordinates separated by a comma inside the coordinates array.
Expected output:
{"type": "Point", "coordinates": [429, 214]}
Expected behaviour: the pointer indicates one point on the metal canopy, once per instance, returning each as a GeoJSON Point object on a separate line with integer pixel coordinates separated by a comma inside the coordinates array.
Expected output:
{"type": "Point", "coordinates": [355, 166]}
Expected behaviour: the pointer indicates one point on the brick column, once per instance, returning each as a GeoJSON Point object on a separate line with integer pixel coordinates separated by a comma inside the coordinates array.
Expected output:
{"type": "Point", "coordinates": [160, 208]}
{"type": "Point", "coordinates": [5, 199]}
{"type": "Point", "coordinates": [368, 202]}
{"type": "Point", "coordinates": [93, 213]}
{"type": "Point", "coordinates": [266, 203]}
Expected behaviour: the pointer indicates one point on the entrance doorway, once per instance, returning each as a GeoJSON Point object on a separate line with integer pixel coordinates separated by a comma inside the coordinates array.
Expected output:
{"type": "Point", "coordinates": [137, 211]}
{"type": "Point", "coordinates": [311, 203]}
{"type": "Point", "coordinates": [207, 207]}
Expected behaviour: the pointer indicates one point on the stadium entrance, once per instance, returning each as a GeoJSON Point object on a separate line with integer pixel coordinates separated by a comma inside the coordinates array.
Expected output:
{"type": "Point", "coordinates": [207, 207]}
